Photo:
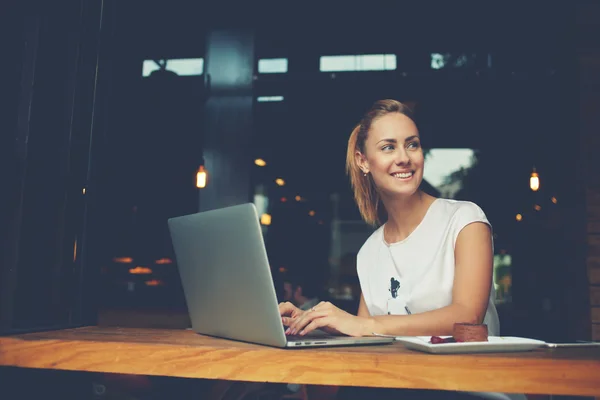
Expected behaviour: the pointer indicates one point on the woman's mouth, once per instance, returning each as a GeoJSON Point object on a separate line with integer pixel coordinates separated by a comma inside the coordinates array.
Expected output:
{"type": "Point", "coordinates": [403, 175]}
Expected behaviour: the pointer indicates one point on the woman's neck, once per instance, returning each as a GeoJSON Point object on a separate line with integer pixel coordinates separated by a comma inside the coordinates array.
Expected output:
{"type": "Point", "coordinates": [404, 214]}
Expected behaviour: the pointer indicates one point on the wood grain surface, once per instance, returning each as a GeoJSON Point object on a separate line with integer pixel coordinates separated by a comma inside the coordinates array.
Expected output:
{"type": "Point", "coordinates": [183, 353]}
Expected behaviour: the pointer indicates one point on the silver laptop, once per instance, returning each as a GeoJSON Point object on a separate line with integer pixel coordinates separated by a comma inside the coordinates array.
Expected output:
{"type": "Point", "coordinates": [227, 280]}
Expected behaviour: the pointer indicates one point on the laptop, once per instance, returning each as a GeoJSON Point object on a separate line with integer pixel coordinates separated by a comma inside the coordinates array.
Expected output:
{"type": "Point", "coordinates": [227, 280]}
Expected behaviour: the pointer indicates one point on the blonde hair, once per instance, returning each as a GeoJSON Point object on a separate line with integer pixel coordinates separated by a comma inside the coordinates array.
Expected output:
{"type": "Point", "coordinates": [365, 192]}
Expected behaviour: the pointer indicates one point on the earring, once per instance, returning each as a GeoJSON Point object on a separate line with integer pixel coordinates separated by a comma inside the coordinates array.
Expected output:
{"type": "Point", "coordinates": [364, 174]}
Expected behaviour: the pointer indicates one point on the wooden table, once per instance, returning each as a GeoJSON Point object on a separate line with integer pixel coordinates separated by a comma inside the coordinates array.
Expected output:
{"type": "Point", "coordinates": [183, 353]}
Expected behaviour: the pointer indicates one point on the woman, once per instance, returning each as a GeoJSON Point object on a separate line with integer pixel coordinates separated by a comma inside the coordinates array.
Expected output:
{"type": "Point", "coordinates": [428, 266]}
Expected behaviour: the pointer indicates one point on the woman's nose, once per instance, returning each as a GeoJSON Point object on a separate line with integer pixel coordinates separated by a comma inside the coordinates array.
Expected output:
{"type": "Point", "coordinates": [402, 157]}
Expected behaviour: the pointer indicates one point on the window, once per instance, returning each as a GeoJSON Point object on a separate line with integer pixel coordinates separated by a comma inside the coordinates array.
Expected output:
{"type": "Point", "coordinates": [445, 169]}
{"type": "Point", "coordinates": [365, 62]}
{"type": "Point", "coordinates": [263, 99]}
{"type": "Point", "coordinates": [180, 66]}
{"type": "Point", "coordinates": [272, 65]}
{"type": "Point", "coordinates": [447, 60]}
{"type": "Point", "coordinates": [503, 277]}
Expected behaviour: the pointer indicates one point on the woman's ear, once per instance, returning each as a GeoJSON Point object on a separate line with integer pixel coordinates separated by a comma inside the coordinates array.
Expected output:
{"type": "Point", "coordinates": [362, 162]}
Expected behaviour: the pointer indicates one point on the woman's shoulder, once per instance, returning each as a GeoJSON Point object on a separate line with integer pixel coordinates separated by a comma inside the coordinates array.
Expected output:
{"type": "Point", "coordinates": [454, 215]}
{"type": "Point", "coordinates": [460, 208]}
{"type": "Point", "coordinates": [460, 213]}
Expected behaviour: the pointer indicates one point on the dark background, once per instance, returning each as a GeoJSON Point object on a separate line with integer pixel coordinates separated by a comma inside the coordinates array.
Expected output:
{"type": "Point", "coordinates": [80, 115]}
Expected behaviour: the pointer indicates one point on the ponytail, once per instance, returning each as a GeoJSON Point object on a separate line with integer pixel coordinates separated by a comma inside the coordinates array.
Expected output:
{"type": "Point", "coordinates": [365, 192]}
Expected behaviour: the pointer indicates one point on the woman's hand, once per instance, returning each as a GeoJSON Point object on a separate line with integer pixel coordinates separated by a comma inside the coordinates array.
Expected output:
{"type": "Point", "coordinates": [323, 316]}
{"type": "Point", "coordinates": [289, 312]}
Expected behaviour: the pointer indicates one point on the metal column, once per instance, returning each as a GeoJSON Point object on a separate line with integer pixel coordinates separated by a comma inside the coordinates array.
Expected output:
{"type": "Point", "coordinates": [229, 67]}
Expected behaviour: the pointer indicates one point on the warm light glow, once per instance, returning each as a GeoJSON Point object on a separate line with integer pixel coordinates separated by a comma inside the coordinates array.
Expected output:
{"type": "Point", "coordinates": [537, 207]}
{"type": "Point", "coordinates": [140, 270]}
{"type": "Point", "coordinates": [123, 260]}
{"type": "Point", "coordinates": [298, 198]}
{"type": "Point", "coordinates": [153, 282]}
{"type": "Point", "coordinates": [163, 261]}
{"type": "Point", "coordinates": [534, 181]}
{"type": "Point", "coordinates": [519, 217]}
{"type": "Point", "coordinates": [260, 162]}
{"type": "Point", "coordinates": [311, 213]}
{"type": "Point", "coordinates": [554, 200]}
{"type": "Point", "coordinates": [75, 250]}
{"type": "Point", "coordinates": [282, 269]}
{"type": "Point", "coordinates": [201, 177]}
{"type": "Point", "coordinates": [280, 181]}
{"type": "Point", "coordinates": [83, 190]}
{"type": "Point", "coordinates": [283, 199]}
{"type": "Point", "coordinates": [265, 219]}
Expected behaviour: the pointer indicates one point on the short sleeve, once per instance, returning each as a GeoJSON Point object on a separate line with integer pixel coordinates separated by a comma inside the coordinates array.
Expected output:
{"type": "Point", "coordinates": [467, 214]}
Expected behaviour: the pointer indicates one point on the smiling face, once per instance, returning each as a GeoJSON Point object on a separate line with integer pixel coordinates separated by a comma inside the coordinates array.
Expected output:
{"type": "Point", "coordinates": [393, 155]}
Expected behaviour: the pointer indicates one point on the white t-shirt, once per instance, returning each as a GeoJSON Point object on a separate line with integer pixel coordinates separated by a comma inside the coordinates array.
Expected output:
{"type": "Point", "coordinates": [416, 274]}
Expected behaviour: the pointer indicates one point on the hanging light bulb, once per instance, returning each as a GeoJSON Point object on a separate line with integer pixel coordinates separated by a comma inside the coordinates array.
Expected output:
{"type": "Point", "coordinates": [265, 219]}
{"type": "Point", "coordinates": [201, 177]}
{"type": "Point", "coordinates": [534, 181]}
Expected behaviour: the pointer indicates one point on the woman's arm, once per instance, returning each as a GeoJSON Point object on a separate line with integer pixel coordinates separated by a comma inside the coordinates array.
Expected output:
{"type": "Point", "coordinates": [470, 293]}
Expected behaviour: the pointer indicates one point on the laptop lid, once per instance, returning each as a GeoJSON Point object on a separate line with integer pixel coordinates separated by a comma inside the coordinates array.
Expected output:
{"type": "Point", "coordinates": [225, 275]}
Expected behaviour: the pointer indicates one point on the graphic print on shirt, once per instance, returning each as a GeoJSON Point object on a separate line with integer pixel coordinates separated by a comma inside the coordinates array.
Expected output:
{"type": "Point", "coordinates": [396, 304]}
{"type": "Point", "coordinates": [394, 286]}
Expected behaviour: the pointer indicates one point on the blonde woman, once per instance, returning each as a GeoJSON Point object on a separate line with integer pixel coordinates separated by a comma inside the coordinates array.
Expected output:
{"type": "Point", "coordinates": [429, 262]}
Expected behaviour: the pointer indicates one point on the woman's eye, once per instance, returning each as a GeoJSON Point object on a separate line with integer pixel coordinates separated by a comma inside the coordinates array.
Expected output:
{"type": "Point", "coordinates": [387, 147]}
{"type": "Point", "coordinates": [413, 145]}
